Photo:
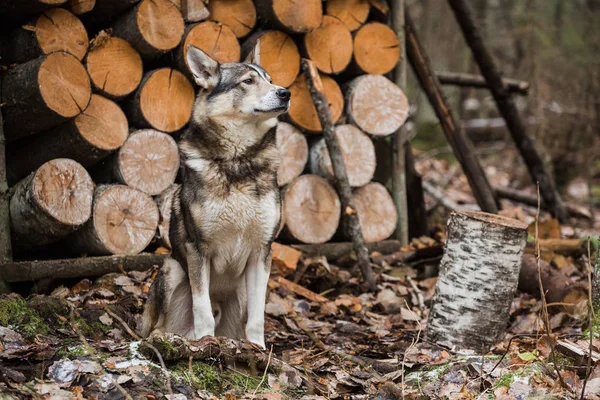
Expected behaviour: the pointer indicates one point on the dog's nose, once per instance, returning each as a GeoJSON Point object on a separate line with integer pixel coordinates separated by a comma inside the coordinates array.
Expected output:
{"type": "Point", "coordinates": [283, 94]}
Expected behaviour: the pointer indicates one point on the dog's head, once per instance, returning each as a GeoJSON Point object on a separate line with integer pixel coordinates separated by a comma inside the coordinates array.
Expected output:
{"type": "Point", "coordinates": [234, 92]}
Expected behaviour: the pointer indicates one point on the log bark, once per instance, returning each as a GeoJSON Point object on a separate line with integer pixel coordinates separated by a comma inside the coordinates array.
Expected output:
{"type": "Point", "coordinates": [461, 145]}
{"type": "Point", "coordinates": [123, 222]}
{"type": "Point", "coordinates": [279, 55]}
{"type": "Point", "coordinates": [478, 81]}
{"type": "Point", "coordinates": [50, 203]}
{"type": "Point", "coordinates": [310, 209]}
{"type": "Point", "coordinates": [148, 161]}
{"type": "Point", "coordinates": [292, 17]}
{"type": "Point", "coordinates": [17, 10]}
{"type": "Point", "coordinates": [239, 15]}
{"type": "Point", "coordinates": [54, 30]}
{"type": "Point", "coordinates": [87, 139]}
{"type": "Point", "coordinates": [79, 7]}
{"type": "Point", "coordinates": [85, 267]}
{"type": "Point", "coordinates": [105, 13]}
{"type": "Point", "coordinates": [114, 66]}
{"type": "Point", "coordinates": [164, 201]}
{"type": "Point", "coordinates": [376, 49]}
{"type": "Point", "coordinates": [357, 151]}
{"type": "Point", "coordinates": [153, 27]}
{"type": "Point", "coordinates": [353, 13]}
{"type": "Point", "coordinates": [351, 221]}
{"type": "Point", "coordinates": [293, 150]}
{"type": "Point", "coordinates": [54, 88]}
{"type": "Point", "coordinates": [302, 111]}
{"type": "Point", "coordinates": [508, 109]}
{"type": "Point", "coordinates": [479, 273]}
{"type": "Point", "coordinates": [194, 10]}
{"type": "Point", "coordinates": [376, 212]}
{"type": "Point", "coordinates": [376, 105]}
{"type": "Point", "coordinates": [329, 46]}
{"type": "Point", "coordinates": [335, 251]}
{"type": "Point", "coordinates": [163, 101]}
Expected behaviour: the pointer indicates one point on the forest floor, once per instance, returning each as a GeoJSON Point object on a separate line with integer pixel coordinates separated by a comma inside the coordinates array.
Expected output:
{"type": "Point", "coordinates": [325, 338]}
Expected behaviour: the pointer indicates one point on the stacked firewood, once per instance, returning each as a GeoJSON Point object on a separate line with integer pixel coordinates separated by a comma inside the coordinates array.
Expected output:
{"type": "Point", "coordinates": [90, 125]}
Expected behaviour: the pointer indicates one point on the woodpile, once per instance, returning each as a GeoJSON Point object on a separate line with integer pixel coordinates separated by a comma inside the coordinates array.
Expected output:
{"type": "Point", "coordinates": [95, 93]}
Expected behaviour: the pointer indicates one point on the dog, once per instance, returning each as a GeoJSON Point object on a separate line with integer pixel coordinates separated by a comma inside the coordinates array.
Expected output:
{"type": "Point", "coordinates": [227, 211]}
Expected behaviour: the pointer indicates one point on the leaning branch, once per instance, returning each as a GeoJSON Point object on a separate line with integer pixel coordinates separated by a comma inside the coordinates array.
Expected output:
{"type": "Point", "coordinates": [477, 81]}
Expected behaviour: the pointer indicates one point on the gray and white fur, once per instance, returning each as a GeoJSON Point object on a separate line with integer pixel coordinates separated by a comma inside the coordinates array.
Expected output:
{"type": "Point", "coordinates": [227, 211]}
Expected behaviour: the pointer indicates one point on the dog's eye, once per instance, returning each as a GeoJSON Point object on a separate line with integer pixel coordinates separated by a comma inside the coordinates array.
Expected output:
{"type": "Point", "coordinates": [248, 81]}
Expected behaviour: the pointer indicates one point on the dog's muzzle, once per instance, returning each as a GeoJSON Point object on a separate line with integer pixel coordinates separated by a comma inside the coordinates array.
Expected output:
{"type": "Point", "coordinates": [284, 94]}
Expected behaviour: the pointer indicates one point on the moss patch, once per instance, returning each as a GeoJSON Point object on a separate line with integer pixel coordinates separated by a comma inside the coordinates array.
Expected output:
{"type": "Point", "coordinates": [203, 376]}
{"type": "Point", "coordinates": [14, 313]}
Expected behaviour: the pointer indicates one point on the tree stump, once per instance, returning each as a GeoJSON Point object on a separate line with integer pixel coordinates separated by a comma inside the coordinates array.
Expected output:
{"type": "Point", "coordinates": [302, 110]}
{"type": "Point", "coordinates": [153, 27]}
{"type": "Point", "coordinates": [123, 222]}
{"type": "Point", "coordinates": [279, 55]}
{"type": "Point", "coordinates": [43, 93]}
{"type": "Point", "coordinates": [16, 10]}
{"type": "Point", "coordinates": [50, 203]}
{"type": "Point", "coordinates": [164, 201]}
{"type": "Point", "coordinates": [376, 105]}
{"type": "Point", "coordinates": [148, 161]}
{"type": "Point", "coordinates": [358, 153]}
{"type": "Point", "coordinates": [293, 150]}
{"type": "Point", "coordinates": [376, 212]}
{"type": "Point", "coordinates": [194, 10]}
{"type": "Point", "coordinates": [291, 16]}
{"type": "Point", "coordinates": [329, 46]}
{"type": "Point", "coordinates": [239, 15]}
{"type": "Point", "coordinates": [163, 101]}
{"type": "Point", "coordinates": [79, 7]}
{"type": "Point", "coordinates": [115, 67]}
{"type": "Point", "coordinates": [311, 210]}
{"type": "Point", "coordinates": [479, 273]}
{"type": "Point", "coordinates": [87, 139]}
{"type": "Point", "coordinates": [353, 13]}
{"type": "Point", "coordinates": [54, 30]}
{"type": "Point", "coordinates": [376, 48]}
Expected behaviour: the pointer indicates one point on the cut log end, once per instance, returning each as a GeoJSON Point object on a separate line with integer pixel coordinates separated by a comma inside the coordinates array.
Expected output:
{"type": "Point", "coordinates": [376, 48]}
{"type": "Point", "coordinates": [215, 39]}
{"type": "Point", "coordinates": [330, 45]}
{"type": "Point", "coordinates": [279, 55]}
{"type": "Point", "coordinates": [376, 212]}
{"type": "Point", "coordinates": [311, 209]}
{"type": "Point", "coordinates": [115, 67]}
{"type": "Point", "coordinates": [79, 7]}
{"type": "Point", "coordinates": [103, 124]}
{"type": "Point", "coordinates": [295, 17]}
{"type": "Point", "coordinates": [376, 105]}
{"type": "Point", "coordinates": [294, 153]}
{"type": "Point", "coordinates": [239, 15]}
{"type": "Point", "coordinates": [148, 161]}
{"type": "Point", "coordinates": [302, 110]}
{"type": "Point", "coordinates": [58, 29]}
{"type": "Point", "coordinates": [160, 23]}
{"type": "Point", "coordinates": [353, 13]}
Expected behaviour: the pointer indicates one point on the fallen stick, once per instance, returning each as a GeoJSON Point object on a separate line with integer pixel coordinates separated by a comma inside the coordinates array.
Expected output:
{"type": "Point", "coordinates": [277, 281]}
{"type": "Point", "coordinates": [478, 81]}
{"type": "Point", "coordinates": [409, 256]}
{"type": "Point", "coordinates": [531, 200]}
{"type": "Point", "coordinates": [336, 250]}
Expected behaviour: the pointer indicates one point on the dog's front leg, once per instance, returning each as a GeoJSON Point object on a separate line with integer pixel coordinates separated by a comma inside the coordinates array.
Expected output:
{"type": "Point", "coordinates": [257, 278]}
{"type": "Point", "coordinates": [199, 275]}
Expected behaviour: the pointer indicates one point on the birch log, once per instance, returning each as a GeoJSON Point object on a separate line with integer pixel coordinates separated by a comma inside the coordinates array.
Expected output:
{"type": "Point", "coordinates": [302, 110]}
{"type": "Point", "coordinates": [50, 203]}
{"type": "Point", "coordinates": [479, 273]}
{"type": "Point", "coordinates": [293, 150]}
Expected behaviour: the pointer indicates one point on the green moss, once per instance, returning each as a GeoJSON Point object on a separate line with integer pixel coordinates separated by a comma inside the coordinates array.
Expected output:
{"type": "Point", "coordinates": [595, 328]}
{"type": "Point", "coordinates": [505, 380]}
{"type": "Point", "coordinates": [203, 376]}
{"type": "Point", "coordinates": [73, 352]}
{"type": "Point", "coordinates": [14, 313]}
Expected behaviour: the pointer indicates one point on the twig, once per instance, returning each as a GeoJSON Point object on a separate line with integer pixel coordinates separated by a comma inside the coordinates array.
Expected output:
{"type": "Point", "coordinates": [417, 291]}
{"type": "Point", "coordinates": [592, 318]}
{"type": "Point", "coordinates": [266, 370]}
{"type": "Point", "coordinates": [121, 389]}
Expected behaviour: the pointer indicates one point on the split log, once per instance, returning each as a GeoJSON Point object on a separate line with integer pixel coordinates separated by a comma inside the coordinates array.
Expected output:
{"type": "Point", "coordinates": [163, 101]}
{"type": "Point", "coordinates": [357, 151]}
{"type": "Point", "coordinates": [55, 30]}
{"type": "Point", "coordinates": [87, 139]}
{"type": "Point", "coordinates": [105, 13]}
{"type": "Point", "coordinates": [376, 212]}
{"type": "Point", "coordinates": [153, 27]}
{"type": "Point", "coordinates": [194, 10]}
{"type": "Point", "coordinates": [239, 15]}
{"type": "Point", "coordinates": [291, 16]}
{"type": "Point", "coordinates": [164, 201]}
{"type": "Point", "coordinates": [148, 161]}
{"type": "Point", "coordinates": [335, 251]}
{"type": "Point", "coordinates": [479, 274]}
{"type": "Point", "coordinates": [50, 203]}
{"type": "Point", "coordinates": [123, 222]}
{"type": "Point", "coordinates": [279, 55]}
{"type": "Point", "coordinates": [17, 10]}
{"type": "Point", "coordinates": [293, 150]}
{"type": "Point", "coordinates": [329, 46]}
{"type": "Point", "coordinates": [376, 48]}
{"type": "Point", "coordinates": [215, 39]}
{"type": "Point", "coordinates": [43, 93]}
{"type": "Point", "coordinates": [478, 81]}
{"type": "Point", "coordinates": [302, 111]}
{"type": "Point", "coordinates": [376, 105]}
{"type": "Point", "coordinates": [311, 210]}
{"type": "Point", "coordinates": [79, 7]}
{"type": "Point", "coordinates": [353, 13]}
{"type": "Point", "coordinates": [285, 259]}
{"type": "Point", "coordinates": [115, 67]}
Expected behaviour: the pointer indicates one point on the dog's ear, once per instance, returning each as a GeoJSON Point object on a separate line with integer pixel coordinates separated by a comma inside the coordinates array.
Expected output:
{"type": "Point", "coordinates": [204, 69]}
{"type": "Point", "coordinates": [254, 56]}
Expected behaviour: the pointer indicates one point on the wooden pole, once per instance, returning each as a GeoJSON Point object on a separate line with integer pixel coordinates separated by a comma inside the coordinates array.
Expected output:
{"type": "Point", "coordinates": [399, 137]}
{"type": "Point", "coordinates": [509, 111]}
{"type": "Point", "coordinates": [5, 246]}
{"type": "Point", "coordinates": [461, 145]}
{"type": "Point", "coordinates": [342, 185]}
{"type": "Point", "coordinates": [477, 81]}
